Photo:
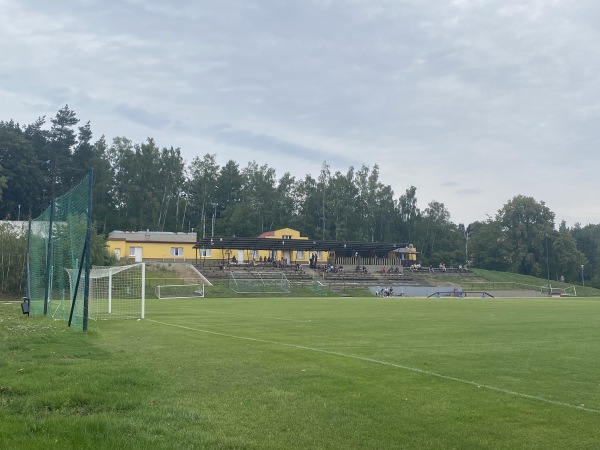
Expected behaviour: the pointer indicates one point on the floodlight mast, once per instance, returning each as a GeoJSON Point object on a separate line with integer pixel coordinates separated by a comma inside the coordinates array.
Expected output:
{"type": "Point", "coordinates": [547, 265]}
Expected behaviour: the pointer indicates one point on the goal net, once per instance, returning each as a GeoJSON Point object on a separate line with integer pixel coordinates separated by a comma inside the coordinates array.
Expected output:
{"type": "Point", "coordinates": [569, 291]}
{"type": "Point", "coordinates": [116, 291]}
{"type": "Point", "coordinates": [257, 282]}
{"type": "Point", "coordinates": [58, 242]}
{"type": "Point", "coordinates": [319, 288]}
{"type": "Point", "coordinates": [179, 291]}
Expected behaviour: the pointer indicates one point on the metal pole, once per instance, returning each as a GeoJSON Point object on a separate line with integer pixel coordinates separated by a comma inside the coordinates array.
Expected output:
{"type": "Point", "coordinates": [547, 265]}
{"type": "Point", "coordinates": [49, 250]}
{"type": "Point", "coordinates": [88, 246]}
{"type": "Point", "coordinates": [582, 280]}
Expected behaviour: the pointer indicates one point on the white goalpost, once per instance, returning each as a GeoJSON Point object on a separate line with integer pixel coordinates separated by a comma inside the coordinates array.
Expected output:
{"type": "Point", "coordinates": [116, 291]}
{"type": "Point", "coordinates": [569, 291]}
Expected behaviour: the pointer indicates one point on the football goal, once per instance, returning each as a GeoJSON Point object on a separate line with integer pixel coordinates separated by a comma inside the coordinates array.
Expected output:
{"type": "Point", "coordinates": [569, 291]}
{"type": "Point", "coordinates": [116, 291]}
{"type": "Point", "coordinates": [179, 291]}
{"type": "Point", "coordinates": [318, 288]}
{"type": "Point", "coordinates": [259, 282]}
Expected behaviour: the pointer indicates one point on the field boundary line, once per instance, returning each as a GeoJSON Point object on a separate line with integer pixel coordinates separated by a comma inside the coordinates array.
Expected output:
{"type": "Point", "coordinates": [387, 363]}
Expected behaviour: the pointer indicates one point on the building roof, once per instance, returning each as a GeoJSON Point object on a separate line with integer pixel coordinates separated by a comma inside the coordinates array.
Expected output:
{"type": "Point", "coordinates": [153, 236]}
{"type": "Point", "coordinates": [258, 243]}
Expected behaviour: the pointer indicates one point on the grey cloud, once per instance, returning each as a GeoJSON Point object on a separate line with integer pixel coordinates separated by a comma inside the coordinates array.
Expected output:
{"type": "Point", "coordinates": [142, 116]}
{"type": "Point", "coordinates": [226, 134]}
{"type": "Point", "coordinates": [429, 90]}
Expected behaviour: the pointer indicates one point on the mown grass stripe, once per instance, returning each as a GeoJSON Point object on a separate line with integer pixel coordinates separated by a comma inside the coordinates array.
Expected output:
{"type": "Point", "coordinates": [389, 364]}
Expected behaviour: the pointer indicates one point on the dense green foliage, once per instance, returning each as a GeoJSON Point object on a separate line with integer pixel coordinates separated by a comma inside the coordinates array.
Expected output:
{"type": "Point", "coordinates": [320, 373]}
{"type": "Point", "coordinates": [143, 186]}
{"type": "Point", "coordinates": [13, 246]}
{"type": "Point", "coordinates": [13, 251]}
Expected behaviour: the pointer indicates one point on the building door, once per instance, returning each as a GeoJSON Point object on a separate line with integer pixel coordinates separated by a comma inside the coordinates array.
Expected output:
{"type": "Point", "coordinates": [138, 254]}
{"type": "Point", "coordinates": [240, 256]}
{"type": "Point", "coordinates": [118, 254]}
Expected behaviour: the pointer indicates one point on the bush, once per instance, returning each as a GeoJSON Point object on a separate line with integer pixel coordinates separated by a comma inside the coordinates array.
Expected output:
{"type": "Point", "coordinates": [13, 251]}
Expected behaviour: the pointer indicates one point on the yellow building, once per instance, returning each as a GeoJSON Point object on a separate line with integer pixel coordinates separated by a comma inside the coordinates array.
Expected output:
{"type": "Point", "coordinates": [138, 246]}
{"type": "Point", "coordinates": [285, 245]}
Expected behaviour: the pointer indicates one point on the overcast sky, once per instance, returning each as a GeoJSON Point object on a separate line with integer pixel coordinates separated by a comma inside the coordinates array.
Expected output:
{"type": "Point", "coordinates": [471, 101]}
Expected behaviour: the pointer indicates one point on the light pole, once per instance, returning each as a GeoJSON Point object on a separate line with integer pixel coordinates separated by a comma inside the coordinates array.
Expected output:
{"type": "Point", "coordinates": [214, 218]}
{"type": "Point", "coordinates": [466, 232]}
{"type": "Point", "coordinates": [19, 215]}
{"type": "Point", "coordinates": [547, 264]}
{"type": "Point", "coordinates": [582, 280]}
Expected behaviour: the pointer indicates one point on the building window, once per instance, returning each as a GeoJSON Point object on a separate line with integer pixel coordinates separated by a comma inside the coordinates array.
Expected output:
{"type": "Point", "coordinates": [131, 251]}
{"type": "Point", "coordinates": [176, 251]}
{"type": "Point", "coordinates": [318, 255]}
{"type": "Point", "coordinates": [287, 236]}
{"type": "Point", "coordinates": [300, 254]}
{"type": "Point", "coordinates": [254, 254]}
{"type": "Point", "coordinates": [205, 252]}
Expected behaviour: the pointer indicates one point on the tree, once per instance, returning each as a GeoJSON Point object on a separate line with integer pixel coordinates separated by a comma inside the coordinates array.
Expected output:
{"type": "Point", "coordinates": [99, 253]}
{"type": "Point", "coordinates": [3, 180]}
{"type": "Point", "coordinates": [259, 192]}
{"type": "Point", "coordinates": [20, 178]}
{"type": "Point", "coordinates": [309, 201]}
{"type": "Point", "coordinates": [341, 206]}
{"type": "Point", "coordinates": [588, 242]}
{"type": "Point", "coordinates": [58, 151]}
{"type": "Point", "coordinates": [104, 208]}
{"type": "Point", "coordinates": [118, 154]}
{"type": "Point", "coordinates": [228, 193]}
{"type": "Point", "coordinates": [204, 174]}
{"type": "Point", "coordinates": [374, 205]}
{"type": "Point", "coordinates": [285, 205]}
{"type": "Point", "coordinates": [487, 245]}
{"type": "Point", "coordinates": [81, 157]}
{"type": "Point", "coordinates": [171, 181]}
{"type": "Point", "coordinates": [409, 215]}
{"type": "Point", "coordinates": [13, 248]}
{"type": "Point", "coordinates": [567, 259]}
{"type": "Point", "coordinates": [322, 185]}
{"type": "Point", "coordinates": [434, 226]}
{"type": "Point", "coordinates": [526, 224]}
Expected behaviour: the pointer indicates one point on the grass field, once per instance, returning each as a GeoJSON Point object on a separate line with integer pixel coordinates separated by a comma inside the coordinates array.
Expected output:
{"type": "Point", "coordinates": [307, 373]}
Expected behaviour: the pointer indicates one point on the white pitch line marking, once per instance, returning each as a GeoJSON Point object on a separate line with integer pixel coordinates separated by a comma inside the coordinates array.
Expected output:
{"type": "Point", "coordinates": [253, 315]}
{"type": "Point", "coordinates": [386, 363]}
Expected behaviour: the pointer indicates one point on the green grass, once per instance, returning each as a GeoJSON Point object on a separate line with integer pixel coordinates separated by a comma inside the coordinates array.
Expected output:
{"type": "Point", "coordinates": [508, 277]}
{"type": "Point", "coordinates": [318, 373]}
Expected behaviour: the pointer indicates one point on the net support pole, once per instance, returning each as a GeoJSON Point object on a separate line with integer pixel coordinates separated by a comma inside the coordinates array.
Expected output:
{"type": "Point", "coordinates": [109, 292]}
{"type": "Point", "coordinates": [88, 245]}
{"type": "Point", "coordinates": [76, 290]}
{"type": "Point", "coordinates": [27, 267]}
{"type": "Point", "coordinates": [49, 251]}
{"type": "Point", "coordinates": [143, 290]}
{"type": "Point", "coordinates": [85, 263]}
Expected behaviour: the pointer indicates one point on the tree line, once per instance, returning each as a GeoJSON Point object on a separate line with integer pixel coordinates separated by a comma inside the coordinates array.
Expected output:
{"type": "Point", "coordinates": [140, 186]}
